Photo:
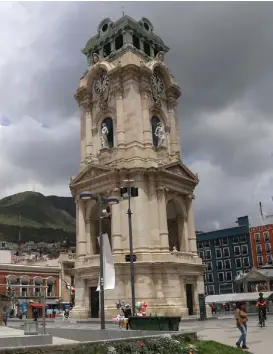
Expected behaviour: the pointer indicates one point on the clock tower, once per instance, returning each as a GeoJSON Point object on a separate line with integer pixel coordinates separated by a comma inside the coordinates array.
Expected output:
{"type": "Point", "coordinates": [130, 130]}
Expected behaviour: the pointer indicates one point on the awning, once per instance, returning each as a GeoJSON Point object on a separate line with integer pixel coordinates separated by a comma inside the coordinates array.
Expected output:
{"type": "Point", "coordinates": [222, 299]}
{"type": "Point", "coordinates": [52, 302]}
{"type": "Point", "coordinates": [37, 304]}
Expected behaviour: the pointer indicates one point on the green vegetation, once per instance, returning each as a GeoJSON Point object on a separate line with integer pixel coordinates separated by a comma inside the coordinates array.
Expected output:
{"type": "Point", "coordinates": [37, 218]}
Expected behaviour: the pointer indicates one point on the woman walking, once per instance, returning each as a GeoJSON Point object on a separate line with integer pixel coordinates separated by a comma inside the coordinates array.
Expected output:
{"type": "Point", "coordinates": [241, 322]}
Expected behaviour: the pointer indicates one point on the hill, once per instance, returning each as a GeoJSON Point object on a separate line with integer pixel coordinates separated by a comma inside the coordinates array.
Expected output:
{"type": "Point", "coordinates": [37, 217]}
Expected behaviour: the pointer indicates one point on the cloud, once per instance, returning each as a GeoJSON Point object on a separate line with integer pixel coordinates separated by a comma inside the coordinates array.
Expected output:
{"type": "Point", "coordinates": [222, 56]}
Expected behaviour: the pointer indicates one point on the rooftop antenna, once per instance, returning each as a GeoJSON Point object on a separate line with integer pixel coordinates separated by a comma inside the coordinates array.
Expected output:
{"type": "Point", "coordinates": [261, 210]}
{"type": "Point", "coordinates": [123, 10]}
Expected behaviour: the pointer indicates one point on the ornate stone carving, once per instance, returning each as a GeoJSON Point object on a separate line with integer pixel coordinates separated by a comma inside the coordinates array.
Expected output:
{"type": "Point", "coordinates": [178, 170]}
{"type": "Point", "coordinates": [160, 56]}
{"type": "Point", "coordinates": [160, 134]}
{"type": "Point", "coordinates": [91, 158]}
{"type": "Point", "coordinates": [96, 58]}
{"type": "Point", "coordinates": [119, 90]}
{"type": "Point", "coordinates": [104, 136]}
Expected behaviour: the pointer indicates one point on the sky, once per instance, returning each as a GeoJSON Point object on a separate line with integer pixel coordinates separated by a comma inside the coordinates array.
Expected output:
{"type": "Point", "coordinates": [221, 55]}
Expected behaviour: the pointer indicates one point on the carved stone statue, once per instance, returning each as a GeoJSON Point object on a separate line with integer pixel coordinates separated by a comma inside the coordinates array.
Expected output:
{"type": "Point", "coordinates": [160, 134]}
{"type": "Point", "coordinates": [104, 136]}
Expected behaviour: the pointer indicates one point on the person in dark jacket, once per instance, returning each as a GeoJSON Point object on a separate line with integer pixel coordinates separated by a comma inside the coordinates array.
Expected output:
{"type": "Point", "coordinates": [127, 314]}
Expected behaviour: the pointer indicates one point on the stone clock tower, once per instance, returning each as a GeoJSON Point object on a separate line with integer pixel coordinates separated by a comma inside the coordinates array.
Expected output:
{"type": "Point", "coordinates": [129, 129]}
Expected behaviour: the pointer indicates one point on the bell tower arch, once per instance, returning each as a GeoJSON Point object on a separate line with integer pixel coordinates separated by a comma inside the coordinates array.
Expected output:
{"type": "Point", "coordinates": [129, 130]}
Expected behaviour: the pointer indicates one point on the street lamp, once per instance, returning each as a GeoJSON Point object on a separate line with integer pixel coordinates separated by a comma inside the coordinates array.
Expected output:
{"type": "Point", "coordinates": [128, 193]}
{"type": "Point", "coordinates": [100, 201]}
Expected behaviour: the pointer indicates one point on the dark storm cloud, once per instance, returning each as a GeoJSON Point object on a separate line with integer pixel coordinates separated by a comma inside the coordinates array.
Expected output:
{"type": "Point", "coordinates": [221, 55]}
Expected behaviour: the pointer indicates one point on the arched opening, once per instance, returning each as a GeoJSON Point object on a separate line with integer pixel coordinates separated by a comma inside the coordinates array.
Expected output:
{"type": "Point", "coordinates": [107, 133]}
{"type": "Point", "coordinates": [173, 225]}
{"type": "Point", "coordinates": [94, 228]}
{"type": "Point", "coordinates": [11, 282]}
{"type": "Point", "coordinates": [37, 283]}
{"type": "Point", "coordinates": [24, 281]}
{"type": "Point", "coordinates": [50, 283]}
{"type": "Point", "coordinates": [154, 121]}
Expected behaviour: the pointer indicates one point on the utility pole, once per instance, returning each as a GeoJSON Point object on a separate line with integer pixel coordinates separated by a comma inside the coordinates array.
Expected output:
{"type": "Point", "coordinates": [131, 192]}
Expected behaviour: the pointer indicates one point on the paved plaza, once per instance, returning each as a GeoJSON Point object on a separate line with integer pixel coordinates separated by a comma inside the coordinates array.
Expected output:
{"type": "Point", "coordinates": [222, 330]}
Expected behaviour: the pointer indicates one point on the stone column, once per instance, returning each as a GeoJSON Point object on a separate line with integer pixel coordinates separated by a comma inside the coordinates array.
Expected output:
{"type": "Point", "coordinates": [93, 237]}
{"type": "Point", "coordinates": [81, 234]}
{"type": "Point", "coordinates": [88, 127]}
{"type": "Point", "coordinates": [147, 128]}
{"type": "Point", "coordinates": [81, 308]}
{"type": "Point", "coordinates": [116, 226]}
{"type": "Point", "coordinates": [163, 225]}
{"type": "Point", "coordinates": [196, 300]}
{"type": "Point", "coordinates": [191, 228]}
{"type": "Point", "coordinates": [83, 132]}
{"type": "Point", "coordinates": [88, 236]}
{"type": "Point", "coordinates": [174, 144]}
{"type": "Point", "coordinates": [153, 215]}
{"type": "Point", "coordinates": [120, 117]}
{"type": "Point", "coordinates": [180, 224]}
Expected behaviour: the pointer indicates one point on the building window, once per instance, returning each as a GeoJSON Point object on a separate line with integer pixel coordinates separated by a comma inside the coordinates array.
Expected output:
{"type": "Point", "coordinates": [269, 259]}
{"type": "Point", "coordinates": [147, 48]}
{"type": "Point", "coordinates": [209, 277]}
{"type": "Point", "coordinates": [235, 239]}
{"type": "Point", "coordinates": [206, 244]}
{"type": "Point", "coordinates": [224, 241]}
{"type": "Point", "coordinates": [258, 249]}
{"type": "Point", "coordinates": [257, 238]}
{"type": "Point", "coordinates": [119, 42]}
{"type": "Point", "coordinates": [209, 266]}
{"type": "Point", "coordinates": [208, 254]}
{"type": "Point", "coordinates": [244, 249]}
{"type": "Point", "coordinates": [201, 254]}
{"type": "Point", "coordinates": [226, 252]}
{"type": "Point", "coordinates": [268, 247]}
{"type": "Point", "coordinates": [221, 277]}
{"type": "Point", "coordinates": [246, 261]}
{"type": "Point", "coordinates": [260, 260]}
{"type": "Point", "coordinates": [107, 50]}
{"type": "Point", "coordinates": [199, 245]}
{"type": "Point", "coordinates": [227, 264]}
{"type": "Point", "coordinates": [238, 263]}
{"type": "Point", "coordinates": [219, 265]}
{"type": "Point", "coordinates": [217, 242]}
{"type": "Point", "coordinates": [211, 290]}
{"type": "Point", "coordinates": [218, 253]}
{"type": "Point", "coordinates": [228, 276]}
{"type": "Point", "coordinates": [237, 250]}
{"type": "Point", "coordinates": [243, 238]}
{"type": "Point", "coordinates": [266, 237]}
{"type": "Point", "coordinates": [136, 42]}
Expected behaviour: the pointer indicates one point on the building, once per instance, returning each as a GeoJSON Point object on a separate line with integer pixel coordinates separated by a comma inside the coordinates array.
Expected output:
{"type": "Point", "coordinates": [130, 131]}
{"type": "Point", "coordinates": [262, 244]}
{"type": "Point", "coordinates": [13, 278]}
{"type": "Point", "coordinates": [226, 253]}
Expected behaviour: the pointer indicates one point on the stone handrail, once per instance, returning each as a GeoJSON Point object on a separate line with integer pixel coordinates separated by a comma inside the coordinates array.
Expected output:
{"type": "Point", "coordinates": [187, 257]}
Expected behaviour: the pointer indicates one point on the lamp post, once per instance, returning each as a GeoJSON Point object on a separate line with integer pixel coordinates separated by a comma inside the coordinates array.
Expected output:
{"type": "Point", "coordinates": [131, 192]}
{"type": "Point", "coordinates": [100, 201]}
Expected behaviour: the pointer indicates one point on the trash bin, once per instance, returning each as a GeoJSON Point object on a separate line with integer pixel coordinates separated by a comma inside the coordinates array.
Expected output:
{"type": "Point", "coordinates": [31, 328]}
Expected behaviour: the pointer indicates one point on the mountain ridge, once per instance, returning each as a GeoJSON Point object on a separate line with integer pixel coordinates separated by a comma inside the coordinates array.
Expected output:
{"type": "Point", "coordinates": [37, 217]}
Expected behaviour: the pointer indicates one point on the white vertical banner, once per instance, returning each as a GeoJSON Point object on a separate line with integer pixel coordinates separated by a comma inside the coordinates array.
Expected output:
{"type": "Point", "coordinates": [108, 265]}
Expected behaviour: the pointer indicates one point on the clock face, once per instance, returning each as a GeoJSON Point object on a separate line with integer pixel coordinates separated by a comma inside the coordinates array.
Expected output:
{"type": "Point", "coordinates": [157, 83]}
{"type": "Point", "coordinates": [101, 83]}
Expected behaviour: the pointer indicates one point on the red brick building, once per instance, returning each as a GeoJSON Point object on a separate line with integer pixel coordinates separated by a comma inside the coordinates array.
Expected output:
{"type": "Point", "coordinates": [261, 238]}
{"type": "Point", "coordinates": [13, 277]}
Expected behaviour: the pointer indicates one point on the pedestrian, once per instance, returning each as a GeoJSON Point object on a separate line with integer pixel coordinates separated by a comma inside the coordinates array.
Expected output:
{"type": "Point", "coordinates": [213, 308]}
{"type": "Point", "coordinates": [5, 317]}
{"type": "Point", "coordinates": [35, 315]}
{"type": "Point", "coordinates": [241, 322]}
{"type": "Point", "coordinates": [127, 314]}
